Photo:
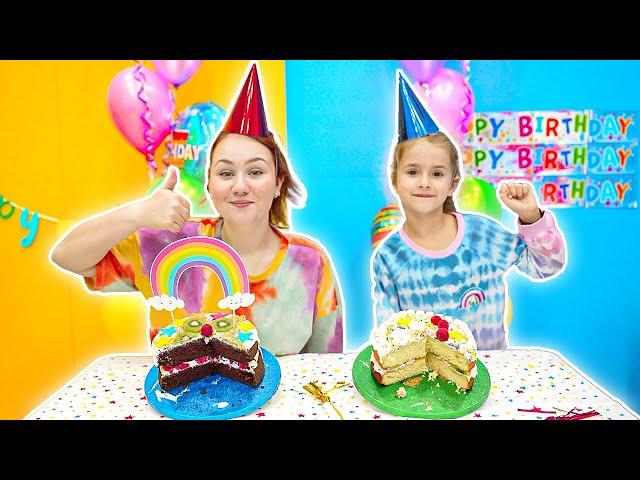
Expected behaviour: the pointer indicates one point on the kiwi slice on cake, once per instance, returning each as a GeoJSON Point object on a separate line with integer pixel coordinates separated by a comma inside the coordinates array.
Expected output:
{"type": "Point", "coordinates": [192, 325]}
{"type": "Point", "coordinates": [223, 324]}
{"type": "Point", "coordinates": [183, 337]}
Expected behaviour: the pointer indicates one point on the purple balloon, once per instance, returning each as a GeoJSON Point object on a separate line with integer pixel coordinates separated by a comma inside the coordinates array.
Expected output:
{"type": "Point", "coordinates": [176, 72]}
{"type": "Point", "coordinates": [422, 70]}
{"type": "Point", "coordinates": [141, 104]}
{"type": "Point", "coordinates": [450, 100]}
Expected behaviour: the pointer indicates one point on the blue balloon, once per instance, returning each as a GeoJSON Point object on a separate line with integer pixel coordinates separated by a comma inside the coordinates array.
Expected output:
{"type": "Point", "coordinates": [203, 121]}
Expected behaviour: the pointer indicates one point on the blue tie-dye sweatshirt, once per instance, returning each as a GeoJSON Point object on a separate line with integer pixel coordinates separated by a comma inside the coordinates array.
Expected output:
{"type": "Point", "coordinates": [466, 280]}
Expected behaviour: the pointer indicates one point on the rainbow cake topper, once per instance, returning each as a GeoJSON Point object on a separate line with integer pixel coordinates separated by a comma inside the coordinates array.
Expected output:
{"type": "Point", "coordinates": [471, 297]}
{"type": "Point", "coordinates": [177, 257]}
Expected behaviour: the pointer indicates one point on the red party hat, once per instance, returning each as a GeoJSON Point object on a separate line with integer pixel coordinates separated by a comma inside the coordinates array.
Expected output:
{"type": "Point", "coordinates": [248, 116]}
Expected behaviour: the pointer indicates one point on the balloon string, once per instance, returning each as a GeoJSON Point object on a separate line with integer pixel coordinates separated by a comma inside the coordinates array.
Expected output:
{"type": "Point", "coordinates": [467, 110]}
{"type": "Point", "coordinates": [466, 68]}
{"type": "Point", "coordinates": [146, 115]}
{"type": "Point", "coordinates": [173, 126]}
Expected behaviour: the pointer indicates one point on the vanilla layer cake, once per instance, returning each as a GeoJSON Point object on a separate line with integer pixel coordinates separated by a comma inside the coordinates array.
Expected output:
{"type": "Point", "coordinates": [413, 342]}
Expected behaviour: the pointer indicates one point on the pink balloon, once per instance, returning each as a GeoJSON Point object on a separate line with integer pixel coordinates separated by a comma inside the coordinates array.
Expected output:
{"type": "Point", "coordinates": [176, 72]}
{"type": "Point", "coordinates": [141, 106]}
{"type": "Point", "coordinates": [450, 100]}
{"type": "Point", "coordinates": [422, 70]}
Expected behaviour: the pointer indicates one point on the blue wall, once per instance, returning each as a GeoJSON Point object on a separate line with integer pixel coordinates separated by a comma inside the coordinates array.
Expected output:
{"type": "Point", "coordinates": [340, 117]}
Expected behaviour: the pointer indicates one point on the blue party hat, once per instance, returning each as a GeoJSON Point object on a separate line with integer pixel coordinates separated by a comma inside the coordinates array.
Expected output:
{"type": "Point", "coordinates": [414, 120]}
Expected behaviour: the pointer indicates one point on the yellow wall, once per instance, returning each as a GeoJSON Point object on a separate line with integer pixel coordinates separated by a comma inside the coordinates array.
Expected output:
{"type": "Point", "coordinates": [63, 157]}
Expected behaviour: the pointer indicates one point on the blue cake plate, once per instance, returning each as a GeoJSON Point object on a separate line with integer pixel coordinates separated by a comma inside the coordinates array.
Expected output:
{"type": "Point", "coordinates": [215, 397]}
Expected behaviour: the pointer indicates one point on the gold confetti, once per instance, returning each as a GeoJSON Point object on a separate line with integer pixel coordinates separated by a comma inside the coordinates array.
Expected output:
{"type": "Point", "coordinates": [316, 390]}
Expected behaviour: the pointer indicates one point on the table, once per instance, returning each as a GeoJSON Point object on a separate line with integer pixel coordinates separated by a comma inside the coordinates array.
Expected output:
{"type": "Point", "coordinates": [531, 379]}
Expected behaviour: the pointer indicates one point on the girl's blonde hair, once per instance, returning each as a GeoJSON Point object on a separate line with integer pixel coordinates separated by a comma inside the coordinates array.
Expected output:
{"type": "Point", "coordinates": [290, 188]}
{"type": "Point", "coordinates": [438, 139]}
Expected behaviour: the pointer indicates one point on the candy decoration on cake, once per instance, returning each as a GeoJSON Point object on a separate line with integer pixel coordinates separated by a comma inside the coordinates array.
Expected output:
{"type": "Point", "coordinates": [199, 251]}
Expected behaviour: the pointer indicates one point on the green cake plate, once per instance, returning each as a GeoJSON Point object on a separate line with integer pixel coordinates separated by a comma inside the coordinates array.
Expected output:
{"type": "Point", "coordinates": [435, 398]}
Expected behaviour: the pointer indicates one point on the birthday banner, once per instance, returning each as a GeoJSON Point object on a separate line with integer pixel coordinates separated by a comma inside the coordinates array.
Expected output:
{"type": "Point", "coordinates": [575, 158]}
{"type": "Point", "coordinates": [560, 127]}
{"type": "Point", "coordinates": [523, 160]}
{"type": "Point", "coordinates": [613, 191]}
{"type": "Point", "coordinates": [29, 221]}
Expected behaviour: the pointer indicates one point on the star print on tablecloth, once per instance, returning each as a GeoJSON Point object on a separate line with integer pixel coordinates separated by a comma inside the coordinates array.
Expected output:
{"type": "Point", "coordinates": [85, 395]}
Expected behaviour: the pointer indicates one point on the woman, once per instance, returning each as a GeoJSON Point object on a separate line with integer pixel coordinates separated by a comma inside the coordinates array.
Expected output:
{"type": "Point", "coordinates": [298, 305]}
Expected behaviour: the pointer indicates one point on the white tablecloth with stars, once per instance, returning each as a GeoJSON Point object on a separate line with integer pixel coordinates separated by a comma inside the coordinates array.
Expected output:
{"type": "Point", "coordinates": [527, 383]}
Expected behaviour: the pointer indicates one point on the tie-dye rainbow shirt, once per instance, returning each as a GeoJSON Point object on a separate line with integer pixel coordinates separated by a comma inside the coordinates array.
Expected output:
{"type": "Point", "coordinates": [465, 280]}
{"type": "Point", "coordinates": [297, 307]}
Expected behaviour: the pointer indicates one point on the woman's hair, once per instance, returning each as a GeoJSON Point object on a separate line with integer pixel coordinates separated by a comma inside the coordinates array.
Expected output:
{"type": "Point", "coordinates": [278, 214]}
{"type": "Point", "coordinates": [438, 139]}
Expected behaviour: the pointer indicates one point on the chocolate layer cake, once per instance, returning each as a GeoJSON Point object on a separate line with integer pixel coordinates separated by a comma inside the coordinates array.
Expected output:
{"type": "Point", "coordinates": [201, 345]}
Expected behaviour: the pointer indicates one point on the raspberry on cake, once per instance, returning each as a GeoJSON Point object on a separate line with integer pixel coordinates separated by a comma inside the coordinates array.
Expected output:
{"type": "Point", "coordinates": [413, 342]}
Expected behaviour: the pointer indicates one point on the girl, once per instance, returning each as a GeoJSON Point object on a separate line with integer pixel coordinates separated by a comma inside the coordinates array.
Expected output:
{"type": "Point", "coordinates": [249, 182]}
{"type": "Point", "coordinates": [447, 262]}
